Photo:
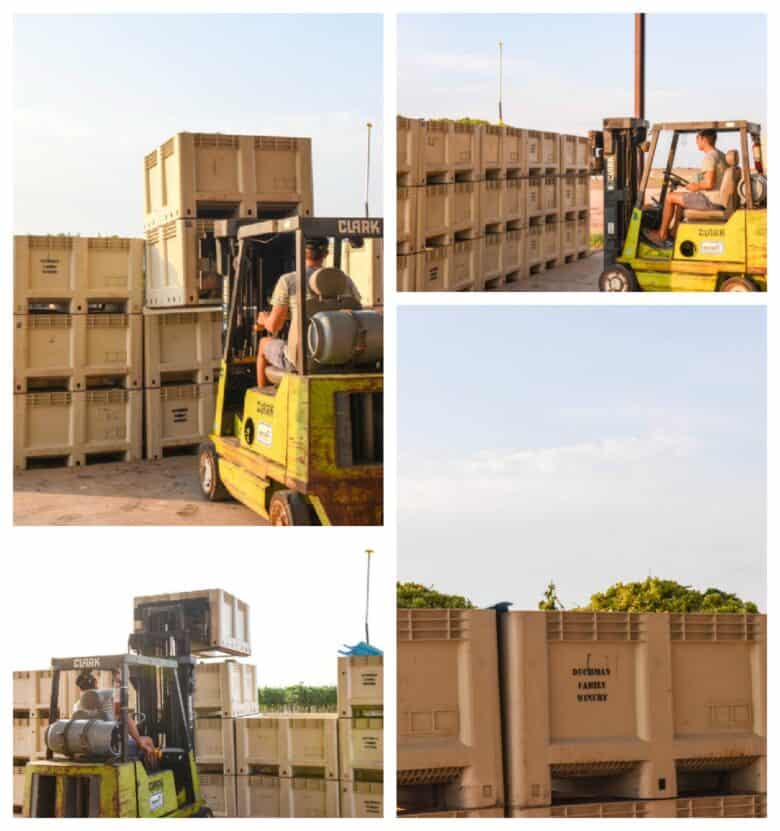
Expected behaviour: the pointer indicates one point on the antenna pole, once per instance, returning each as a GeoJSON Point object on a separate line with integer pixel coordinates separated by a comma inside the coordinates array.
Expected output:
{"type": "Point", "coordinates": [369, 125]}
{"type": "Point", "coordinates": [501, 82]}
{"type": "Point", "coordinates": [369, 552]}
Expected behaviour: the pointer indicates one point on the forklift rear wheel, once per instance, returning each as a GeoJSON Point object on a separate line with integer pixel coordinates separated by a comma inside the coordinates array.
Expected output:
{"type": "Point", "coordinates": [738, 284]}
{"type": "Point", "coordinates": [289, 508]}
{"type": "Point", "coordinates": [618, 278]}
{"type": "Point", "coordinates": [208, 468]}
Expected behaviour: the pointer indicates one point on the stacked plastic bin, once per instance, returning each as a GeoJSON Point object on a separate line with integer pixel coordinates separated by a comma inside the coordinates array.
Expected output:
{"type": "Point", "coordinates": [191, 181]}
{"type": "Point", "coordinates": [77, 349]}
{"type": "Point", "coordinates": [480, 206]}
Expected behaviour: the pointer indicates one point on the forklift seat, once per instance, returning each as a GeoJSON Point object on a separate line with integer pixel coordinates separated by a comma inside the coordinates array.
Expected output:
{"type": "Point", "coordinates": [727, 196]}
{"type": "Point", "coordinates": [330, 290]}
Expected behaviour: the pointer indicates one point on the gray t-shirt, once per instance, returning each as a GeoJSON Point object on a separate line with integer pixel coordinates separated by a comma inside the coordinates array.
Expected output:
{"type": "Point", "coordinates": [284, 295]}
{"type": "Point", "coordinates": [714, 160]}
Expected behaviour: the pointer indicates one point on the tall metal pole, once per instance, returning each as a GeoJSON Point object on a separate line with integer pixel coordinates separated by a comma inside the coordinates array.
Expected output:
{"type": "Point", "coordinates": [639, 65]}
{"type": "Point", "coordinates": [500, 82]}
{"type": "Point", "coordinates": [369, 125]}
{"type": "Point", "coordinates": [369, 552]}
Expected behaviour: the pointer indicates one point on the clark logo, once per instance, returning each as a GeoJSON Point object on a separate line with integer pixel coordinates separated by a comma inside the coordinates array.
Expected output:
{"type": "Point", "coordinates": [86, 663]}
{"type": "Point", "coordinates": [359, 226]}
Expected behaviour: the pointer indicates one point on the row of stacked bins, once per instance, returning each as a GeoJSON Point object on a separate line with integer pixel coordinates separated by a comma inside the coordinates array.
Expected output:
{"type": "Point", "coordinates": [191, 181]}
{"type": "Point", "coordinates": [527, 714]}
{"type": "Point", "coordinates": [31, 709]}
{"type": "Point", "coordinates": [482, 206]}
{"type": "Point", "coordinates": [289, 764]}
{"type": "Point", "coordinates": [77, 349]}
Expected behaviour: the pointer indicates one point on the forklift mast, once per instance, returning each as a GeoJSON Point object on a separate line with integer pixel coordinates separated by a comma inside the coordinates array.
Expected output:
{"type": "Point", "coordinates": [617, 153]}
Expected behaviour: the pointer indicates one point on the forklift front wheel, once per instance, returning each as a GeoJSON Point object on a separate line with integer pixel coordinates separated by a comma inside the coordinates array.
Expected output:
{"type": "Point", "coordinates": [208, 467]}
{"type": "Point", "coordinates": [738, 283]}
{"type": "Point", "coordinates": [618, 278]}
{"type": "Point", "coordinates": [289, 508]}
{"type": "Point", "coordinates": [205, 813]}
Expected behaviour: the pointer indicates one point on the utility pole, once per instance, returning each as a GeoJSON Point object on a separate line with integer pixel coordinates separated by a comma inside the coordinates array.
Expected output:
{"type": "Point", "coordinates": [369, 125]}
{"type": "Point", "coordinates": [369, 552]}
{"type": "Point", "coordinates": [639, 65]}
{"type": "Point", "coordinates": [500, 82]}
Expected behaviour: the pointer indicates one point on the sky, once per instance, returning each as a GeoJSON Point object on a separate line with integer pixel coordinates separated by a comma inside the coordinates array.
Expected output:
{"type": "Point", "coordinates": [583, 445]}
{"type": "Point", "coordinates": [94, 94]}
{"type": "Point", "coordinates": [306, 595]}
{"type": "Point", "coordinates": [567, 72]}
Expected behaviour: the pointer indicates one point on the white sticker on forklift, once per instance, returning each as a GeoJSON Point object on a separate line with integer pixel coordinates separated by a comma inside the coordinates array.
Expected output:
{"type": "Point", "coordinates": [711, 247]}
{"type": "Point", "coordinates": [155, 800]}
{"type": "Point", "coordinates": [265, 434]}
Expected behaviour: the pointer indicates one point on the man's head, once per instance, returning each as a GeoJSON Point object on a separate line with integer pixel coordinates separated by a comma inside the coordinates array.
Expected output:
{"type": "Point", "coordinates": [86, 680]}
{"type": "Point", "coordinates": [316, 251]}
{"type": "Point", "coordinates": [705, 139]}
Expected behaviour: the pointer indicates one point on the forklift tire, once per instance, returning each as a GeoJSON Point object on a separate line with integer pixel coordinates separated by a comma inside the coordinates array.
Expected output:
{"type": "Point", "coordinates": [618, 278]}
{"type": "Point", "coordinates": [208, 471]}
{"type": "Point", "coordinates": [290, 508]}
{"type": "Point", "coordinates": [738, 283]}
{"type": "Point", "coordinates": [204, 812]}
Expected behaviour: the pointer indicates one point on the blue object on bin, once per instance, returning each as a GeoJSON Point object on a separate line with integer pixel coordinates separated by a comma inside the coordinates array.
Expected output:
{"type": "Point", "coordinates": [361, 648]}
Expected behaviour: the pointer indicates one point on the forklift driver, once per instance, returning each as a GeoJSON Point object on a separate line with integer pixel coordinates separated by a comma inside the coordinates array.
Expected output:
{"type": "Point", "coordinates": [697, 195]}
{"type": "Point", "coordinates": [87, 681]}
{"type": "Point", "coordinates": [274, 350]}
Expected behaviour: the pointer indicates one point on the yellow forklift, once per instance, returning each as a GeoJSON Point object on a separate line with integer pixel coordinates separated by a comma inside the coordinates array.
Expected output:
{"type": "Point", "coordinates": [96, 764]}
{"type": "Point", "coordinates": [306, 449]}
{"type": "Point", "coordinates": [723, 249]}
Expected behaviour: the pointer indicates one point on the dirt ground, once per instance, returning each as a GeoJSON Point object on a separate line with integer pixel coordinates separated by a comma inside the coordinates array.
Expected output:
{"type": "Point", "coordinates": [581, 275]}
{"type": "Point", "coordinates": [165, 492]}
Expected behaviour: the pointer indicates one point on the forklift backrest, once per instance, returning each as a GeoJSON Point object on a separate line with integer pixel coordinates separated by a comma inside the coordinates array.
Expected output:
{"type": "Point", "coordinates": [330, 291]}
{"type": "Point", "coordinates": [727, 196]}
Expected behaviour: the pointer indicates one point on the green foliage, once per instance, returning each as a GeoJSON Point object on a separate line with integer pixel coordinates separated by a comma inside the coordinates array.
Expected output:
{"type": "Point", "coordinates": [417, 596]}
{"type": "Point", "coordinates": [299, 698]}
{"type": "Point", "coordinates": [597, 240]}
{"type": "Point", "coordinates": [475, 121]}
{"type": "Point", "coordinates": [550, 602]}
{"type": "Point", "coordinates": [656, 595]}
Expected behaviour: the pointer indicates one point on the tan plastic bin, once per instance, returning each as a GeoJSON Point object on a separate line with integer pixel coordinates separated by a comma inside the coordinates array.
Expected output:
{"type": "Point", "coordinates": [361, 799]}
{"type": "Point", "coordinates": [79, 270]}
{"type": "Point", "coordinates": [182, 340]}
{"type": "Point", "coordinates": [408, 151]}
{"type": "Point", "coordinates": [361, 746]}
{"type": "Point", "coordinates": [215, 742]}
{"type": "Point", "coordinates": [612, 705]}
{"type": "Point", "coordinates": [226, 630]}
{"type": "Point", "coordinates": [270, 796]}
{"type": "Point", "coordinates": [360, 682]}
{"type": "Point", "coordinates": [448, 710]}
{"type": "Point", "coordinates": [225, 688]}
{"type": "Point", "coordinates": [178, 415]}
{"type": "Point", "coordinates": [220, 793]}
{"type": "Point", "coordinates": [193, 172]}
{"type": "Point", "coordinates": [288, 742]}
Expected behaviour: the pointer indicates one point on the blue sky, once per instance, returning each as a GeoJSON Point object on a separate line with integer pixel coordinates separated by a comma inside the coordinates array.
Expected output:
{"type": "Point", "coordinates": [584, 445]}
{"type": "Point", "coordinates": [566, 72]}
{"type": "Point", "coordinates": [94, 94]}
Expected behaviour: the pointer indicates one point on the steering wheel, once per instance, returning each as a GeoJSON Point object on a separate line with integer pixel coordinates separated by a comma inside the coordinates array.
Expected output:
{"type": "Point", "coordinates": [675, 180]}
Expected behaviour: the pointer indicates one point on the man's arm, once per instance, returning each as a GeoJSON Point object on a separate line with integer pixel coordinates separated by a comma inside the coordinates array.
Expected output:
{"type": "Point", "coordinates": [274, 320]}
{"type": "Point", "coordinates": [707, 179]}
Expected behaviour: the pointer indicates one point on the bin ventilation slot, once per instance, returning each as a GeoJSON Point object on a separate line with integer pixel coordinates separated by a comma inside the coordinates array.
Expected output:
{"type": "Point", "coordinates": [429, 776]}
{"type": "Point", "coordinates": [586, 626]}
{"type": "Point", "coordinates": [588, 769]}
{"type": "Point", "coordinates": [718, 763]}
{"type": "Point", "coordinates": [722, 806]}
{"type": "Point", "coordinates": [601, 810]}
{"type": "Point", "coordinates": [693, 627]}
{"type": "Point", "coordinates": [431, 625]}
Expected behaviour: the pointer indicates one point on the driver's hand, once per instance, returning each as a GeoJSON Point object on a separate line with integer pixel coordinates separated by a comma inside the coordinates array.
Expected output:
{"type": "Point", "coordinates": [147, 745]}
{"type": "Point", "coordinates": [261, 320]}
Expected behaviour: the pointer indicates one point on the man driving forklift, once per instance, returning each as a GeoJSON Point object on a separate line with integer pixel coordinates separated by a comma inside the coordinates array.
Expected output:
{"type": "Point", "coordinates": [700, 196]}
{"type": "Point", "coordinates": [87, 681]}
{"type": "Point", "coordinates": [277, 351]}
